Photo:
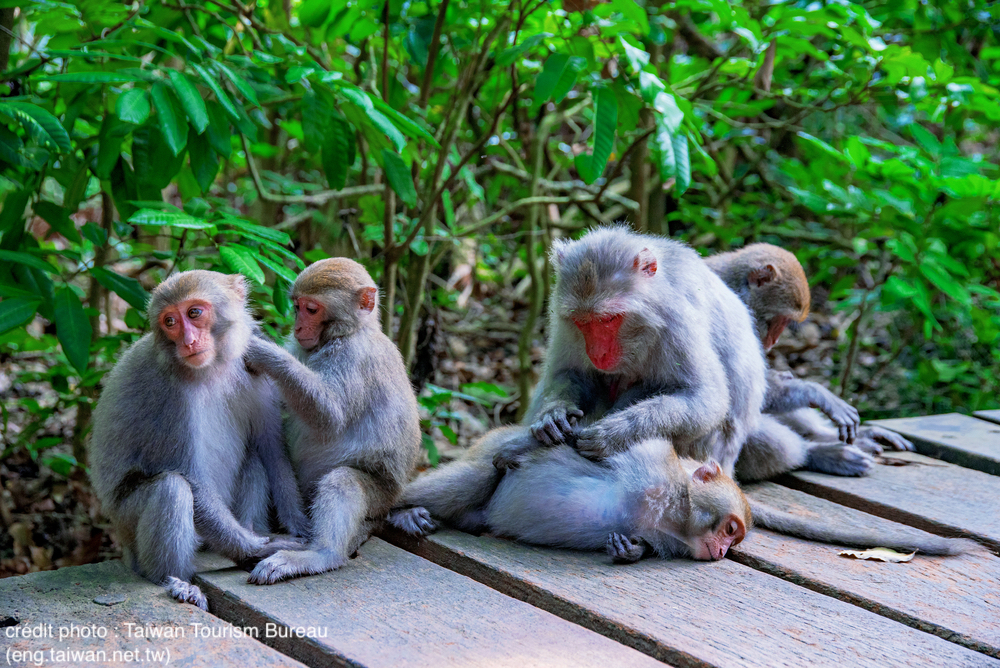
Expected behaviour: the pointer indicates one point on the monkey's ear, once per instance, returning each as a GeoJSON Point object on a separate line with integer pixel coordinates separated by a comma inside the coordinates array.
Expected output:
{"type": "Point", "coordinates": [645, 262]}
{"type": "Point", "coordinates": [558, 253]}
{"type": "Point", "coordinates": [238, 284]}
{"type": "Point", "coordinates": [707, 472]}
{"type": "Point", "coordinates": [761, 275]}
{"type": "Point", "coordinates": [367, 299]}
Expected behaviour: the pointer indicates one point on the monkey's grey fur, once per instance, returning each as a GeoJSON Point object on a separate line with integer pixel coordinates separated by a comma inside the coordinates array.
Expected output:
{"type": "Point", "coordinates": [354, 437]}
{"type": "Point", "coordinates": [692, 369]}
{"type": "Point", "coordinates": [182, 456]}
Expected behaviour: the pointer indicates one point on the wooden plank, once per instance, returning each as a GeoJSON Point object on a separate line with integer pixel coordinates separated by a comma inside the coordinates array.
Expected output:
{"type": "Point", "coordinates": [992, 416]}
{"type": "Point", "coordinates": [391, 608]}
{"type": "Point", "coordinates": [952, 437]}
{"type": "Point", "coordinates": [926, 493]}
{"type": "Point", "coordinates": [693, 613]}
{"type": "Point", "coordinates": [955, 598]}
{"type": "Point", "coordinates": [51, 602]}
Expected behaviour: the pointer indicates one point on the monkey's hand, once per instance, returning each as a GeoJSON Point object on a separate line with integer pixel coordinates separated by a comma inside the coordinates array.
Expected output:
{"type": "Point", "coordinates": [280, 542]}
{"type": "Point", "coordinates": [556, 424]}
{"type": "Point", "coordinates": [185, 592]}
{"type": "Point", "coordinates": [413, 521]}
{"type": "Point", "coordinates": [844, 415]}
{"type": "Point", "coordinates": [890, 438]}
{"type": "Point", "coordinates": [262, 356]}
{"type": "Point", "coordinates": [604, 438]}
{"type": "Point", "coordinates": [625, 550]}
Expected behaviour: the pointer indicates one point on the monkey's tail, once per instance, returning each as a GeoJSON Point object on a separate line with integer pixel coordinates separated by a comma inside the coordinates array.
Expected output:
{"type": "Point", "coordinates": [826, 532]}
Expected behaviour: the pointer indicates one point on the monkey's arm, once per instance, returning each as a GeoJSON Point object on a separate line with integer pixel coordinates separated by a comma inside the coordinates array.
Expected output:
{"type": "Point", "coordinates": [306, 394]}
{"type": "Point", "coordinates": [266, 438]}
{"type": "Point", "coordinates": [570, 393]}
{"type": "Point", "coordinates": [219, 528]}
{"type": "Point", "coordinates": [784, 395]}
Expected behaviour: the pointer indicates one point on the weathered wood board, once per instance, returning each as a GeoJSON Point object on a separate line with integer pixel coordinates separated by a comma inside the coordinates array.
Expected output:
{"type": "Point", "coordinates": [52, 603]}
{"type": "Point", "coordinates": [952, 437]}
{"type": "Point", "coordinates": [957, 598]}
{"type": "Point", "coordinates": [694, 613]}
{"type": "Point", "coordinates": [992, 416]}
{"type": "Point", "coordinates": [923, 492]}
{"type": "Point", "coordinates": [391, 608]}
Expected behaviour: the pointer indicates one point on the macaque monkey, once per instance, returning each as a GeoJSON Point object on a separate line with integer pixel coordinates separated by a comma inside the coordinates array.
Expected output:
{"type": "Point", "coordinates": [186, 442]}
{"type": "Point", "coordinates": [355, 432]}
{"type": "Point", "coordinates": [638, 501]}
{"type": "Point", "coordinates": [646, 343]}
{"type": "Point", "coordinates": [771, 282]}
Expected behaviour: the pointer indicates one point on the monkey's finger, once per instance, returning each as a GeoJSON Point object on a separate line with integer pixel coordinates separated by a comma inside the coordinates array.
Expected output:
{"type": "Point", "coordinates": [564, 426]}
{"type": "Point", "coordinates": [574, 414]}
{"type": "Point", "coordinates": [553, 432]}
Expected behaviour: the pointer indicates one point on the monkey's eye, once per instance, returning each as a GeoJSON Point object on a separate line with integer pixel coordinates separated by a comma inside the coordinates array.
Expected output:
{"type": "Point", "coordinates": [194, 312]}
{"type": "Point", "coordinates": [311, 310]}
{"type": "Point", "coordinates": [731, 528]}
{"type": "Point", "coordinates": [169, 321]}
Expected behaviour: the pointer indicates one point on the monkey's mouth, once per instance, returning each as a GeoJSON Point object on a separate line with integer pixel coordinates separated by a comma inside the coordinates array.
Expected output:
{"type": "Point", "coordinates": [308, 343]}
{"type": "Point", "coordinates": [197, 359]}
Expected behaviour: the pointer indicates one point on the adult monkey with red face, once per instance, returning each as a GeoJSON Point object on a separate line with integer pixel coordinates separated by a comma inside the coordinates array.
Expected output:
{"type": "Point", "coordinates": [646, 342]}
{"type": "Point", "coordinates": [186, 442]}
{"type": "Point", "coordinates": [355, 432]}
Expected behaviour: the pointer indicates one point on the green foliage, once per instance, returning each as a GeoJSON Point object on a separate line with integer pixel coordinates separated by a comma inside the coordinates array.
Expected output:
{"type": "Point", "coordinates": [138, 140]}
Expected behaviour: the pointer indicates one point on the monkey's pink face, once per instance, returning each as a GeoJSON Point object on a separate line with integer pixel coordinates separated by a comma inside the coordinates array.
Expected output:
{"type": "Point", "coordinates": [714, 546]}
{"type": "Point", "coordinates": [309, 319]}
{"type": "Point", "coordinates": [189, 325]}
{"type": "Point", "coordinates": [600, 335]}
{"type": "Point", "coordinates": [774, 330]}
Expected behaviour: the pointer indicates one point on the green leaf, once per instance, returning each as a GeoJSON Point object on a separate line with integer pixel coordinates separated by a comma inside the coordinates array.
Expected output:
{"type": "Point", "coordinates": [270, 234]}
{"type": "Point", "coordinates": [508, 56]}
{"type": "Point", "coordinates": [243, 261]}
{"type": "Point", "coordinates": [220, 94]}
{"type": "Point", "coordinates": [248, 93]}
{"type": "Point", "coordinates": [672, 114]}
{"type": "Point", "coordinates": [278, 268]}
{"type": "Point", "coordinates": [28, 260]}
{"type": "Point", "coordinates": [72, 328]}
{"type": "Point", "coordinates": [61, 462]}
{"type": "Point", "coordinates": [568, 78]}
{"type": "Point", "coordinates": [125, 287]}
{"type": "Point", "coordinates": [637, 58]}
{"type": "Point", "coordinates": [591, 167]}
{"type": "Point", "coordinates": [279, 296]}
{"type": "Point", "coordinates": [16, 311]}
{"type": "Point", "coordinates": [549, 77]}
{"type": "Point", "coordinates": [334, 152]}
{"type": "Point", "coordinates": [663, 149]}
{"type": "Point", "coordinates": [169, 219]}
{"type": "Point", "coordinates": [399, 177]}
{"type": "Point", "coordinates": [172, 122]}
{"type": "Point", "coordinates": [682, 163]}
{"type": "Point", "coordinates": [204, 162]}
{"type": "Point", "coordinates": [133, 106]}
{"type": "Point", "coordinates": [314, 13]}
{"type": "Point", "coordinates": [822, 146]}
{"type": "Point", "coordinates": [433, 456]}
{"type": "Point", "coordinates": [634, 12]}
{"type": "Point", "coordinates": [408, 126]}
{"type": "Point", "coordinates": [90, 77]}
{"type": "Point", "coordinates": [40, 123]}
{"type": "Point", "coordinates": [926, 140]}
{"type": "Point", "coordinates": [194, 105]}
{"type": "Point", "coordinates": [362, 101]}
{"type": "Point", "coordinates": [219, 135]}
{"type": "Point", "coordinates": [58, 218]}
{"type": "Point", "coordinates": [449, 433]}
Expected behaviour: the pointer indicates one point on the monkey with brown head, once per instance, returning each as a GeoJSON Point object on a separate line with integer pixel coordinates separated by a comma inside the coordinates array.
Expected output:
{"type": "Point", "coordinates": [354, 434]}
{"type": "Point", "coordinates": [186, 443]}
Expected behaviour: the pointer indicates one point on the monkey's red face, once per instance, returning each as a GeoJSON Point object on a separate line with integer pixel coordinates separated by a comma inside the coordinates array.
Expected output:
{"type": "Point", "coordinates": [600, 335]}
{"type": "Point", "coordinates": [714, 546]}
{"type": "Point", "coordinates": [774, 330]}
{"type": "Point", "coordinates": [310, 316]}
{"type": "Point", "coordinates": [189, 325]}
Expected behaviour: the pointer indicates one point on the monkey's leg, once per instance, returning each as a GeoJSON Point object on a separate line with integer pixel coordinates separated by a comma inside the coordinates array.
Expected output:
{"type": "Point", "coordinates": [266, 438]}
{"type": "Point", "coordinates": [771, 449]}
{"type": "Point", "coordinates": [162, 511]}
{"type": "Point", "coordinates": [456, 493]}
{"type": "Point", "coordinates": [345, 502]}
{"type": "Point", "coordinates": [839, 459]}
{"type": "Point", "coordinates": [251, 497]}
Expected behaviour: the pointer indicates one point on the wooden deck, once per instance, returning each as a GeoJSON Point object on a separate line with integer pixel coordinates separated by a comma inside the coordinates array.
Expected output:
{"type": "Point", "coordinates": [460, 600]}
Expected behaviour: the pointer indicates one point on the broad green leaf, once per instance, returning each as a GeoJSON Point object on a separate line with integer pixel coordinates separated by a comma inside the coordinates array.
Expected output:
{"type": "Point", "coordinates": [634, 12]}
{"type": "Point", "coordinates": [90, 77]}
{"type": "Point", "coordinates": [823, 146]}
{"type": "Point", "coordinates": [362, 101]}
{"type": "Point", "coordinates": [408, 126]}
{"type": "Point", "coordinates": [242, 260]}
{"type": "Point", "coordinates": [508, 56]}
{"type": "Point", "coordinates": [546, 82]}
{"type": "Point", "coordinates": [171, 36]}
{"type": "Point", "coordinates": [944, 282]}
{"type": "Point", "coordinates": [27, 260]}
{"type": "Point", "coordinates": [399, 177]}
{"type": "Point", "coordinates": [334, 152]}
{"type": "Point", "coordinates": [194, 105]}
{"type": "Point", "coordinates": [278, 268]}
{"type": "Point", "coordinates": [10, 147]}
{"type": "Point", "coordinates": [204, 162]}
{"type": "Point", "coordinates": [16, 311]}
{"type": "Point", "coordinates": [125, 287]}
{"type": "Point", "coordinates": [637, 58]}
{"type": "Point", "coordinates": [650, 86]}
{"type": "Point", "coordinates": [279, 296]}
{"type": "Point", "coordinates": [663, 149]}
{"type": "Point", "coordinates": [58, 218]}
{"type": "Point", "coordinates": [314, 13]}
{"type": "Point", "coordinates": [169, 219]}
{"type": "Point", "coordinates": [568, 78]}
{"type": "Point", "coordinates": [672, 114]}
{"type": "Point", "coordinates": [247, 91]}
{"type": "Point", "coordinates": [133, 106]}
{"type": "Point", "coordinates": [682, 164]}
{"type": "Point", "coordinates": [40, 123]}
{"type": "Point", "coordinates": [219, 133]}
{"type": "Point", "coordinates": [253, 229]}
{"type": "Point", "coordinates": [926, 140]}
{"type": "Point", "coordinates": [591, 167]}
{"type": "Point", "coordinates": [172, 122]}
{"type": "Point", "coordinates": [72, 328]}
{"type": "Point", "coordinates": [61, 462]}
{"type": "Point", "coordinates": [220, 94]}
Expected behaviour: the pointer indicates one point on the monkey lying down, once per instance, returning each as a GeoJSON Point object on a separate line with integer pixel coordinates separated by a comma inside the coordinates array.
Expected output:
{"type": "Point", "coordinates": [641, 501]}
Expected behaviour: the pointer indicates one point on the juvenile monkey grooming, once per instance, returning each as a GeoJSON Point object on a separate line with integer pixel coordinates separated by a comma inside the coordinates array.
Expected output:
{"type": "Point", "coordinates": [186, 441]}
{"type": "Point", "coordinates": [354, 433]}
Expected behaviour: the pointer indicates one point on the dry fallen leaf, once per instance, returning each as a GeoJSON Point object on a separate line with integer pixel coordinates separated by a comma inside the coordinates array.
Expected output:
{"type": "Point", "coordinates": [879, 554]}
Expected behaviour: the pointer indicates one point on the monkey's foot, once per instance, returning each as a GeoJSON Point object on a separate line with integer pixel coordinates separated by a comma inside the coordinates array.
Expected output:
{"type": "Point", "coordinates": [280, 542]}
{"type": "Point", "coordinates": [890, 438]}
{"type": "Point", "coordinates": [283, 565]}
{"type": "Point", "coordinates": [867, 445]}
{"type": "Point", "coordinates": [414, 521]}
{"type": "Point", "coordinates": [624, 550]}
{"type": "Point", "coordinates": [185, 592]}
{"type": "Point", "coordinates": [837, 459]}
